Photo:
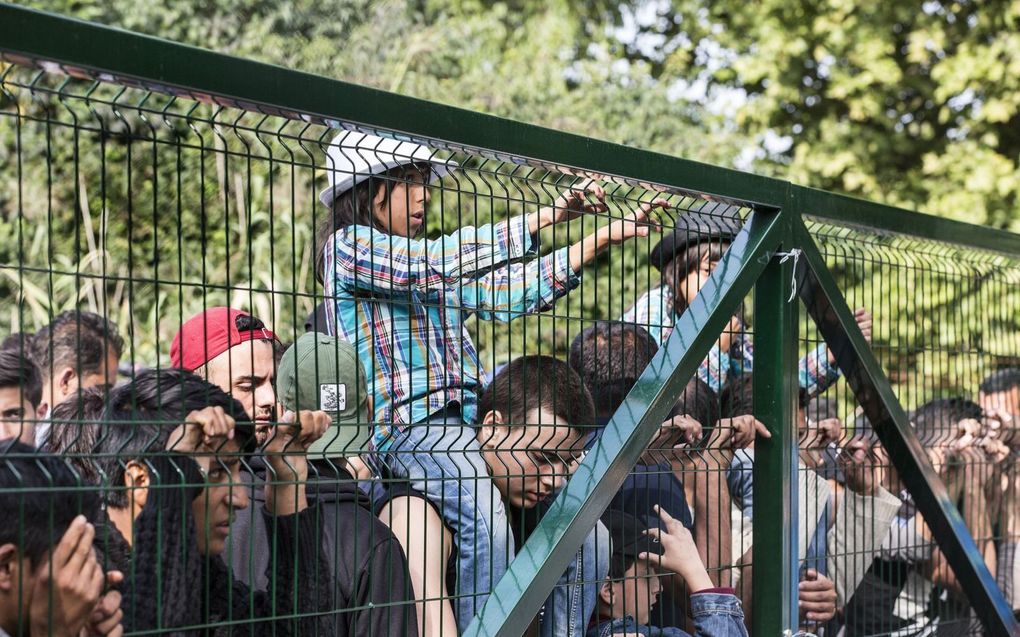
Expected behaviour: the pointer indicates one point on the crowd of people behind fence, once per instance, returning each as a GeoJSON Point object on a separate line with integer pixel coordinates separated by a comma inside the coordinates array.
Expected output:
{"type": "Point", "coordinates": [373, 479]}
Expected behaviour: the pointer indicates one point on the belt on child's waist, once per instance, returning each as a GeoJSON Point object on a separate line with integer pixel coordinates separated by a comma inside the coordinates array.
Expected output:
{"type": "Point", "coordinates": [448, 412]}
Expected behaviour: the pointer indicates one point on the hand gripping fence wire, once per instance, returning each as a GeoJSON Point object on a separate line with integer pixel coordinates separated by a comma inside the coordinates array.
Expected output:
{"type": "Point", "coordinates": [317, 359]}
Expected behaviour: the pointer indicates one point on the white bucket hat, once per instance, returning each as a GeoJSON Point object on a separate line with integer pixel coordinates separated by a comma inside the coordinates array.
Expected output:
{"type": "Point", "coordinates": [354, 157]}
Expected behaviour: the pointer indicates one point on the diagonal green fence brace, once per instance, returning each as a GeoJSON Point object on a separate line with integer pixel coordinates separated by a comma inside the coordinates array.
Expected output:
{"type": "Point", "coordinates": [864, 374]}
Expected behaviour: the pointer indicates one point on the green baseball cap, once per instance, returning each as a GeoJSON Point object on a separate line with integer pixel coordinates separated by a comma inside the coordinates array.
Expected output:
{"type": "Point", "coordinates": [320, 372]}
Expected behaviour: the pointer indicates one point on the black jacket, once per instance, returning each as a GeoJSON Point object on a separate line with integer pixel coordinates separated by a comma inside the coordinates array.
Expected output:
{"type": "Point", "coordinates": [372, 593]}
{"type": "Point", "coordinates": [169, 585]}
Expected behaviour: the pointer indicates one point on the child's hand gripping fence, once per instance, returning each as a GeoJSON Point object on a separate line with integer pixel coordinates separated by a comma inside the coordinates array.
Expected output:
{"type": "Point", "coordinates": [463, 379]}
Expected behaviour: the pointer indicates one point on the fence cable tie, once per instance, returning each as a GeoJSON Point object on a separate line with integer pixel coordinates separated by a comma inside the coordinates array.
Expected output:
{"type": "Point", "coordinates": [795, 253]}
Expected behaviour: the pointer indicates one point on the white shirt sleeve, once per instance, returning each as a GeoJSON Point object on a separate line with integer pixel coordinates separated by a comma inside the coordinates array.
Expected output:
{"type": "Point", "coordinates": [861, 524]}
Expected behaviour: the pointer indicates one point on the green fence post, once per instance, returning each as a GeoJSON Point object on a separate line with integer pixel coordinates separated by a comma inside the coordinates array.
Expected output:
{"type": "Point", "coordinates": [775, 529]}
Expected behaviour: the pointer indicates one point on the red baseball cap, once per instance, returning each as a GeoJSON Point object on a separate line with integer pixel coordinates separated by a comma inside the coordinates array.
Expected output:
{"type": "Point", "coordinates": [205, 336]}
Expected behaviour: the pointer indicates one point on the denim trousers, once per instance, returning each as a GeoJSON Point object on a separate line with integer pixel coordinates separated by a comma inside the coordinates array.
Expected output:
{"type": "Point", "coordinates": [572, 603]}
{"type": "Point", "coordinates": [441, 459]}
{"type": "Point", "coordinates": [714, 614]}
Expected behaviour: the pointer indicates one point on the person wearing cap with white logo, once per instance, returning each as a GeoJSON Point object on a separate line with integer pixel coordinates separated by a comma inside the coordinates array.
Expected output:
{"type": "Point", "coordinates": [686, 258]}
{"type": "Point", "coordinates": [320, 373]}
{"type": "Point", "coordinates": [402, 300]}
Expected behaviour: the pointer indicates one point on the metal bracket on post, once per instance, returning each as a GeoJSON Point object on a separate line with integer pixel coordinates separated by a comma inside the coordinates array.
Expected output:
{"type": "Point", "coordinates": [864, 374]}
{"type": "Point", "coordinates": [775, 529]}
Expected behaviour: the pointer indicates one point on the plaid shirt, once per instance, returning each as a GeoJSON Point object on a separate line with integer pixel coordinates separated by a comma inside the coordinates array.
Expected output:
{"type": "Point", "coordinates": [654, 312]}
{"type": "Point", "coordinates": [402, 302]}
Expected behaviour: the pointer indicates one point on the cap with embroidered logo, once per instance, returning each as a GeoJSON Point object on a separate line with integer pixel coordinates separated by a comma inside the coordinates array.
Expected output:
{"type": "Point", "coordinates": [320, 372]}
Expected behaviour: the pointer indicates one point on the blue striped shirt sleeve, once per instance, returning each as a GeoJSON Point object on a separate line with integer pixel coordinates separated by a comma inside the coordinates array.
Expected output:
{"type": "Point", "coordinates": [370, 260]}
{"type": "Point", "coordinates": [519, 288]}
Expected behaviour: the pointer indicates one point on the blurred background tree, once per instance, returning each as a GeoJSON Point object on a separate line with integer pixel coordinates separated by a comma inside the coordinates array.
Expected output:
{"type": "Point", "coordinates": [911, 105]}
{"type": "Point", "coordinates": [914, 105]}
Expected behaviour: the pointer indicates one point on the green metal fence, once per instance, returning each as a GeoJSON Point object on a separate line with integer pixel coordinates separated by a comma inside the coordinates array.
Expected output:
{"type": "Point", "coordinates": [146, 181]}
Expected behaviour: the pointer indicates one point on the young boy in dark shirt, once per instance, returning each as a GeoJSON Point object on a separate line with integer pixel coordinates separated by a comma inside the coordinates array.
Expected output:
{"type": "Point", "coordinates": [170, 454]}
{"type": "Point", "coordinates": [639, 558]}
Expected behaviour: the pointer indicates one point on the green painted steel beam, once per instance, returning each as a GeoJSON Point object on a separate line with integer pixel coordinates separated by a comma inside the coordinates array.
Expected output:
{"type": "Point", "coordinates": [159, 64]}
{"type": "Point", "coordinates": [846, 210]}
{"type": "Point", "coordinates": [775, 460]}
{"type": "Point", "coordinates": [519, 595]}
{"type": "Point", "coordinates": [865, 376]}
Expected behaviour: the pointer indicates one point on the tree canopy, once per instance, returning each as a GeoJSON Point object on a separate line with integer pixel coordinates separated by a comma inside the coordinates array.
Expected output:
{"type": "Point", "coordinates": [912, 106]}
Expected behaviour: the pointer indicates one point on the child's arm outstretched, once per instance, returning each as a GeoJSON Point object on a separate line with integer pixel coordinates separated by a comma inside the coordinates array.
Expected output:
{"type": "Point", "coordinates": [523, 288]}
{"type": "Point", "coordinates": [572, 203]}
{"type": "Point", "coordinates": [716, 612]}
{"type": "Point", "coordinates": [368, 259]}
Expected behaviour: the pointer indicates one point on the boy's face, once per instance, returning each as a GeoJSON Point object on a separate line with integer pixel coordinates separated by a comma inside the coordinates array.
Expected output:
{"type": "Point", "coordinates": [636, 593]}
{"type": "Point", "coordinates": [15, 589]}
{"type": "Point", "coordinates": [690, 284]}
{"type": "Point", "coordinates": [528, 461]}
{"type": "Point", "coordinates": [16, 416]}
{"type": "Point", "coordinates": [403, 212]}
{"type": "Point", "coordinates": [214, 507]}
{"type": "Point", "coordinates": [1007, 401]}
{"type": "Point", "coordinates": [247, 372]}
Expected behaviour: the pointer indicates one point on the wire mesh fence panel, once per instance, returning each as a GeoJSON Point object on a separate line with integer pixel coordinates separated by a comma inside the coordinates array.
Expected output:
{"type": "Point", "coordinates": [944, 329]}
{"type": "Point", "coordinates": [269, 372]}
{"type": "Point", "coordinates": [315, 378]}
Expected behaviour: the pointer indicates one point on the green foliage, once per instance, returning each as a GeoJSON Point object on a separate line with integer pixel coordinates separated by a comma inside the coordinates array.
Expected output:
{"type": "Point", "coordinates": [945, 316]}
{"type": "Point", "coordinates": [913, 104]}
{"type": "Point", "coordinates": [129, 212]}
{"type": "Point", "coordinates": [105, 196]}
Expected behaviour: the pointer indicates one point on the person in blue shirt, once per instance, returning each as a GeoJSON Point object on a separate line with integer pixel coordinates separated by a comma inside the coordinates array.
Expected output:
{"type": "Point", "coordinates": [686, 258]}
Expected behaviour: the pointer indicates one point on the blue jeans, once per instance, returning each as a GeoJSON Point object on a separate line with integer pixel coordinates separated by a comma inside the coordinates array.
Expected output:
{"type": "Point", "coordinates": [442, 460]}
{"type": "Point", "coordinates": [572, 603]}
{"type": "Point", "coordinates": [715, 615]}
{"type": "Point", "coordinates": [740, 479]}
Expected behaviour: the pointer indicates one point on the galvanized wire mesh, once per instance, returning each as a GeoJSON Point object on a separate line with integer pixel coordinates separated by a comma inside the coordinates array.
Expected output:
{"type": "Point", "coordinates": [145, 206]}
{"type": "Point", "coordinates": [946, 335]}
